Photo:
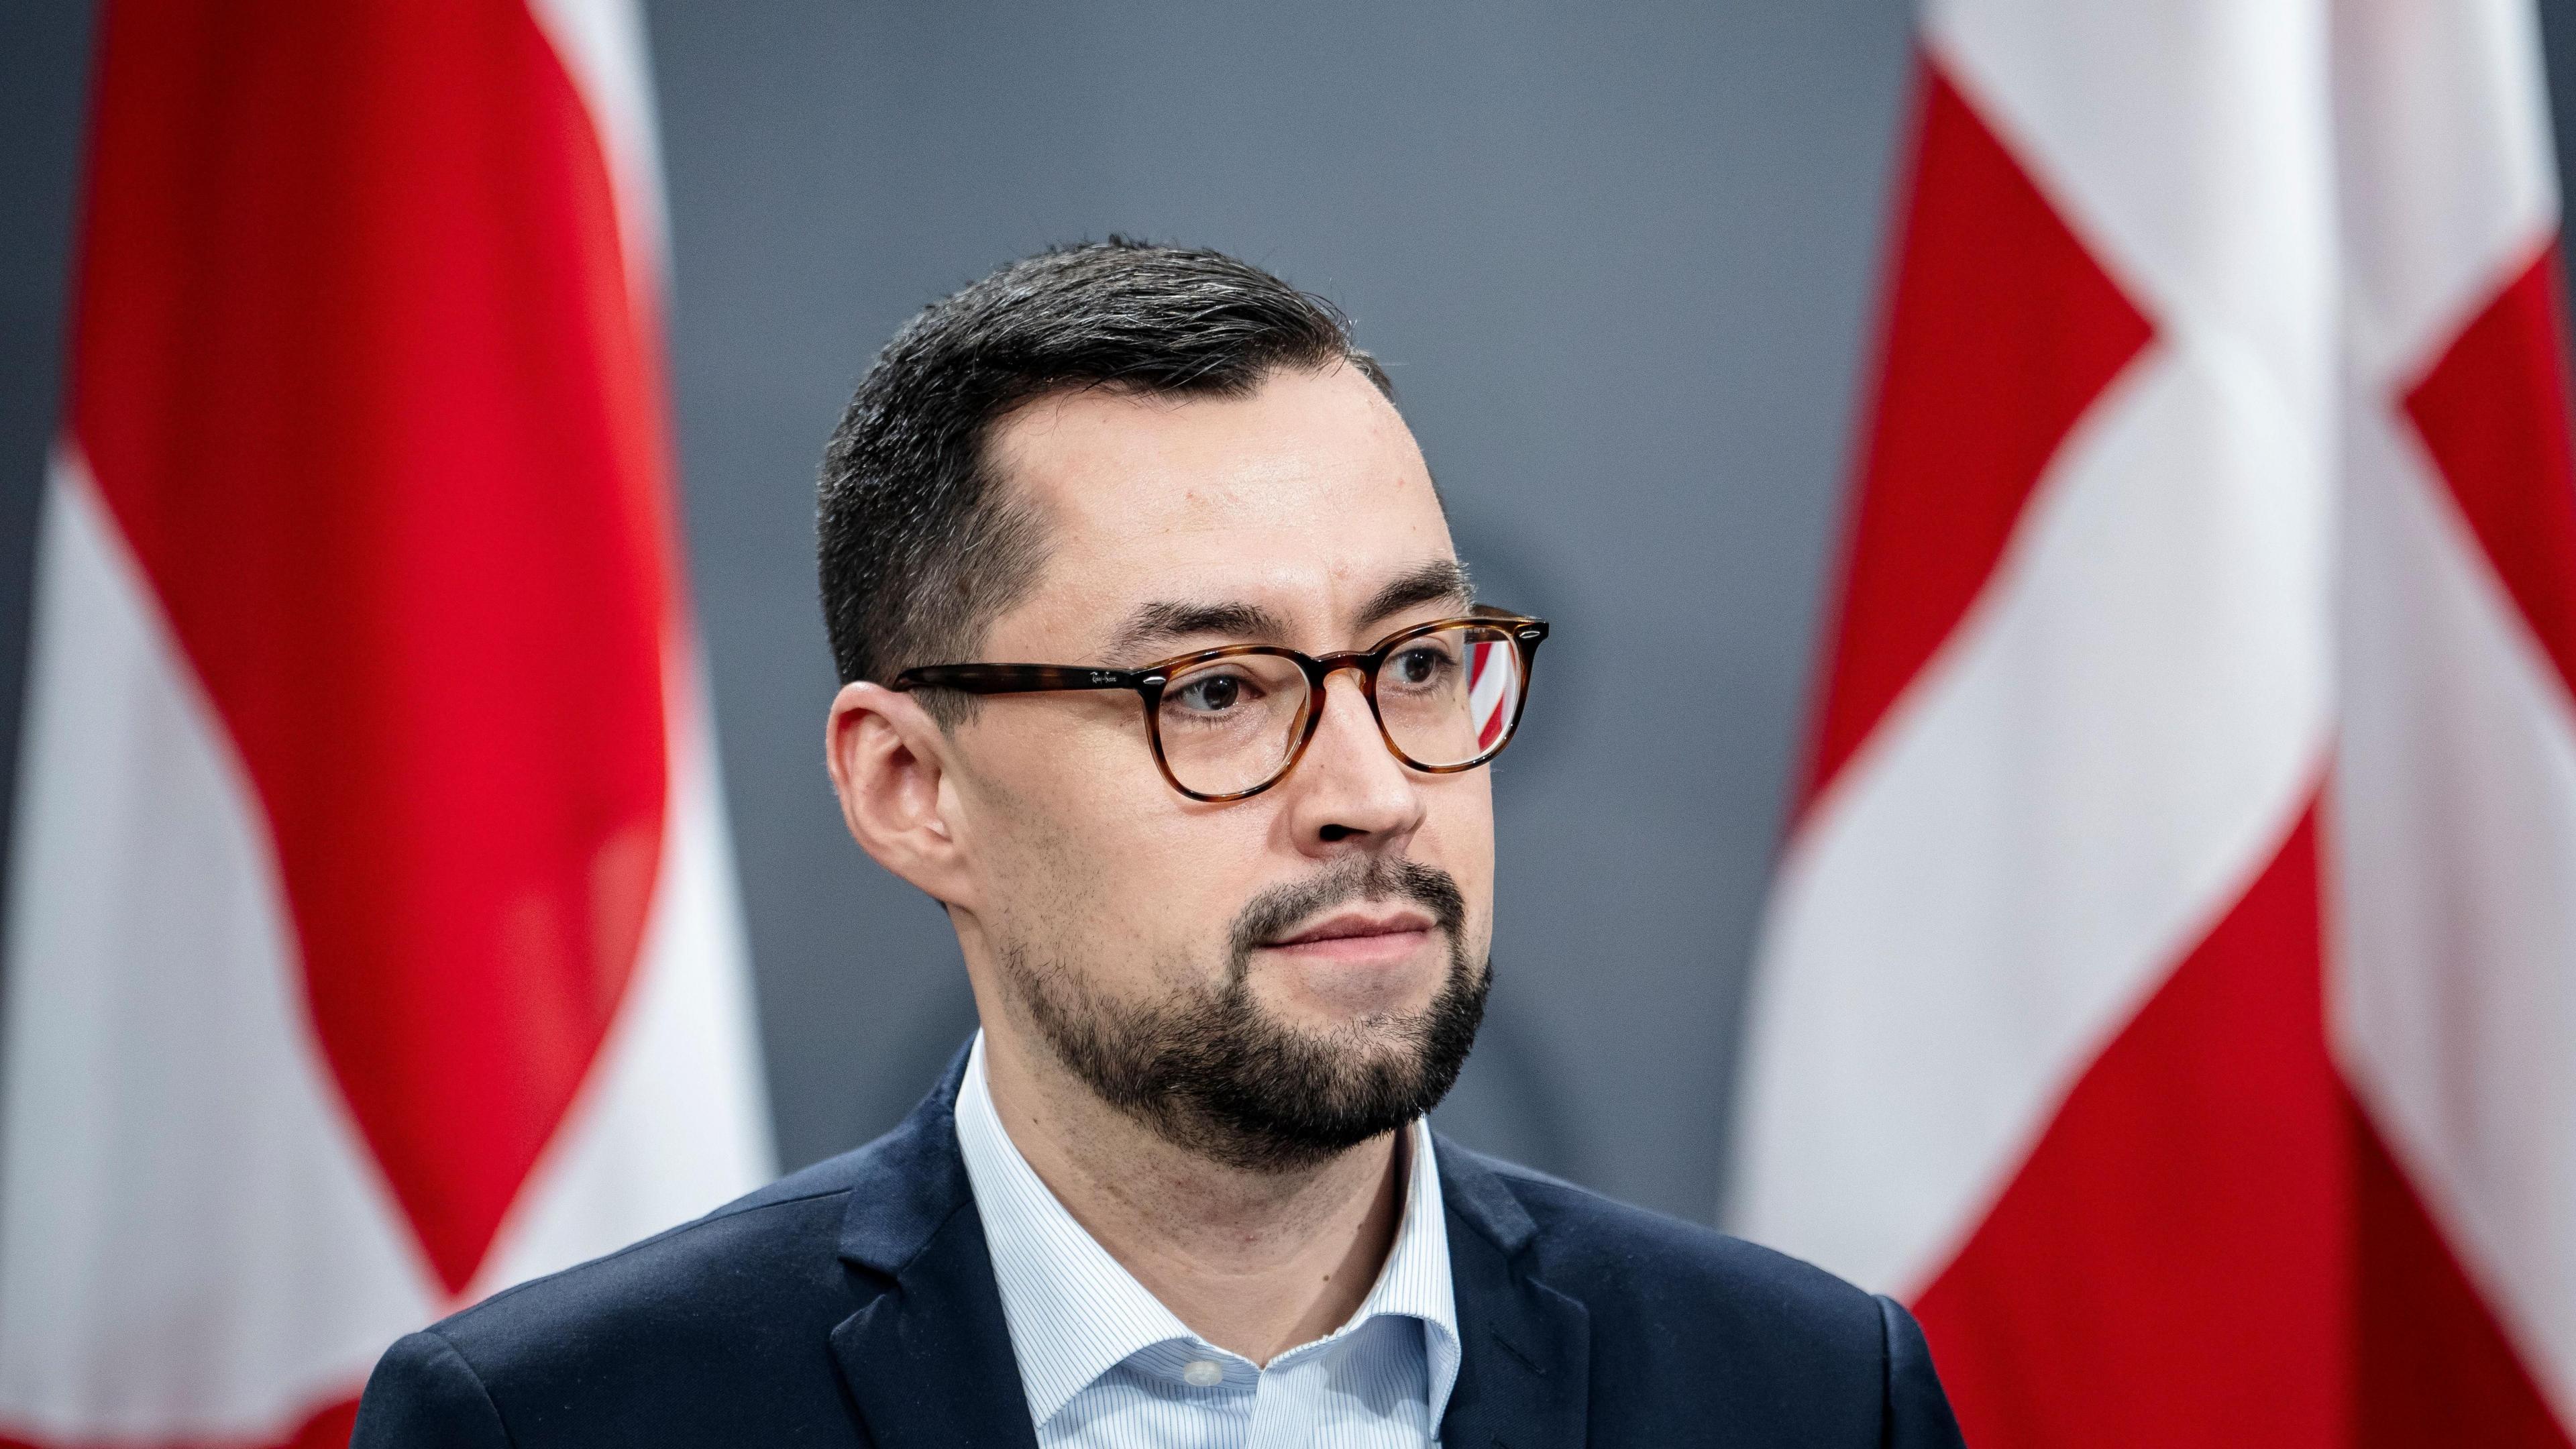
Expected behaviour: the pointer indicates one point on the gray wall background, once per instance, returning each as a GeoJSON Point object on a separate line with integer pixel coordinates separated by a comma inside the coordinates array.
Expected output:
{"type": "Point", "coordinates": [1621, 259]}
{"type": "Point", "coordinates": [1616, 257]}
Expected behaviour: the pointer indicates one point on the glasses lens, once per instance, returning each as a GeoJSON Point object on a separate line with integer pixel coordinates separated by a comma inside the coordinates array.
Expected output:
{"type": "Point", "coordinates": [1452, 696]}
{"type": "Point", "coordinates": [1228, 725]}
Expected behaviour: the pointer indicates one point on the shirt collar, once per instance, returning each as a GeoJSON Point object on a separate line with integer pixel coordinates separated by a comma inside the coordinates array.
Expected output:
{"type": "Point", "coordinates": [1075, 1313]}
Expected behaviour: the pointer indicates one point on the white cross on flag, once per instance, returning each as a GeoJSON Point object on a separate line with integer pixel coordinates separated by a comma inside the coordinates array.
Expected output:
{"type": "Point", "coordinates": [2170, 982]}
{"type": "Point", "coordinates": [371, 936]}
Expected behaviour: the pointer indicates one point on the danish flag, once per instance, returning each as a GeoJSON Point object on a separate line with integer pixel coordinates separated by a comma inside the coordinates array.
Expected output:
{"type": "Point", "coordinates": [2170, 981]}
{"type": "Point", "coordinates": [371, 937]}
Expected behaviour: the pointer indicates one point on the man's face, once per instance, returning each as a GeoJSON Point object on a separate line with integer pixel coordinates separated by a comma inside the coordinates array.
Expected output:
{"type": "Point", "coordinates": [1268, 976]}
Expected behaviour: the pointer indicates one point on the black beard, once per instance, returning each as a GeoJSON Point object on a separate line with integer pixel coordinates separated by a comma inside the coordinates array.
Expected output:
{"type": "Point", "coordinates": [1214, 1073]}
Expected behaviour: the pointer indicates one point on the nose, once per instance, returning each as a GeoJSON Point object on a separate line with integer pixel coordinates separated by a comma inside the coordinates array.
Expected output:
{"type": "Point", "coordinates": [1350, 789]}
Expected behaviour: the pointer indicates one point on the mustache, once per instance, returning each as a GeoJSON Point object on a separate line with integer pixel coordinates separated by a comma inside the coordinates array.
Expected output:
{"type": "Point", "coordinates": [1359, 878]}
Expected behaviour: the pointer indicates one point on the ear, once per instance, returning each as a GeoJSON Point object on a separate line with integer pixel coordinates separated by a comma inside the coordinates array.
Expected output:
{"type": "Point", "coordinates": [888, 760]}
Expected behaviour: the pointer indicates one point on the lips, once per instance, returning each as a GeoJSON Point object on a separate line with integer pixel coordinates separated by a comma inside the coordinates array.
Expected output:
{"type": "Point", "coordinates": [1352, 925]}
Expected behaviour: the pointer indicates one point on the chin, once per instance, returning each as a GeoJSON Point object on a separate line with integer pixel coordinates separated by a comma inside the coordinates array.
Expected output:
{"type": "Point", "coordinates": [1329, 992]}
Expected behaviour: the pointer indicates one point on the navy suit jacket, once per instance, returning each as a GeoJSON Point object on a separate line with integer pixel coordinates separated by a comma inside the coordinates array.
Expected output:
{"type": "Point", "coordinates": [853, 1303]}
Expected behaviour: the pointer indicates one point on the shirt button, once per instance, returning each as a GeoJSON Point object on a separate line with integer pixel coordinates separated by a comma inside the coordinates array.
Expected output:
{"type": "Point", "coordinates": [1206, 1373]}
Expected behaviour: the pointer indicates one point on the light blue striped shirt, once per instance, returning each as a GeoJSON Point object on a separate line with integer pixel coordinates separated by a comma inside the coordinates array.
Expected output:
{"type": "Point", "coordinates": [1107, 1366]}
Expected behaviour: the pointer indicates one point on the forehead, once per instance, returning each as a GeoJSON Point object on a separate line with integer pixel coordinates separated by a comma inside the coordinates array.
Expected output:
{"type": "Point", "coordinates": [1304, 498]}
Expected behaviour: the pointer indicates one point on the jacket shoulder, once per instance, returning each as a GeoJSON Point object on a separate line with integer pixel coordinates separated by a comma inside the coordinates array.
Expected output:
{"type": "Point", "coordinates": [1690, 1326]}
{"type": "Point", "coordinates": [710, 1332]}
{"type": "Point", "coordinates": [1605, 1244]}
{"type": "Point", "coordinates": [771, 1246]}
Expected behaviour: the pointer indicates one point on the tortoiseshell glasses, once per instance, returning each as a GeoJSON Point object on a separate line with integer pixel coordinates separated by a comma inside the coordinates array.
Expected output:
{"type": "Point", "coordinates": [1231, 722]}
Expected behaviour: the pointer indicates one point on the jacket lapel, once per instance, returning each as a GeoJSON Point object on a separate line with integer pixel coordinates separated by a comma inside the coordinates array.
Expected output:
{"type": "Point", "coordinates": [929, 1360]}
{"type": "Point", "coordinates": [1524, 1375]}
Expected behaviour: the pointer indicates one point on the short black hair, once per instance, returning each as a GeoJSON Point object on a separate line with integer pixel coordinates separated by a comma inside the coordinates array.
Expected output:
{"type": "Point", "coordinates": [919, 547]}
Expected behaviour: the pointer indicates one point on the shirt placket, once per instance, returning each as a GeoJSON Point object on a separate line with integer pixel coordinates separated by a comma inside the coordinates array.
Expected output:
{"type": "Point", "coordinates": [1284, 1403]}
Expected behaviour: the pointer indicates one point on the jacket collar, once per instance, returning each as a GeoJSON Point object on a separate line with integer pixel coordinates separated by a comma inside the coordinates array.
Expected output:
{"type": "Point", "coordinates": [923, 1358]}
{"type": "Point", "coordinates": [1525, 1375]}
{"type": "Point", "coordinates": [907, 1184]}
{"type": "Point", "coordinates": [923, 1361]}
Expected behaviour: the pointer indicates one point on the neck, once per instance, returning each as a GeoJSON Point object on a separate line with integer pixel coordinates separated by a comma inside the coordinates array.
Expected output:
{"type": "Point", "coordinates": [1254, 1262]}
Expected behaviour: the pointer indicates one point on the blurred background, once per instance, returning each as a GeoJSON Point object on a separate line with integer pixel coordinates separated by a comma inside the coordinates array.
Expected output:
{"type": "Point", "coordinates": [1622, 262]}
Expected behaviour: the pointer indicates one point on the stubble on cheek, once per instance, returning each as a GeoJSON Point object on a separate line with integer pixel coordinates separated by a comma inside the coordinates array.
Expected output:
{"type": "Point", "coordinates": [1088, 908]}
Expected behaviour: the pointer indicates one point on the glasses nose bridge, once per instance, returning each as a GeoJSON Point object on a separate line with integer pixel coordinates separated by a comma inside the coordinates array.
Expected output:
{"type": "Point", "coordinates": [1320, 670]}
{"type": "Point", "coordinates": [1360, 662]}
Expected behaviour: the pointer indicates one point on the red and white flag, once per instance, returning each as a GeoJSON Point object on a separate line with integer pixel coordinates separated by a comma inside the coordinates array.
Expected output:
{"type": "Point", "coordinates": [2170, 982]}
{"type": "Point", "coordinates": [371, 939]}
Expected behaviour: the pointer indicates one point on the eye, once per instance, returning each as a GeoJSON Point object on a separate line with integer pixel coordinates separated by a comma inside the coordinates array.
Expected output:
{"type": "Point", "coordinates": [1214, 693]}
{"type": "Point", "coordinates": [1418, 664]}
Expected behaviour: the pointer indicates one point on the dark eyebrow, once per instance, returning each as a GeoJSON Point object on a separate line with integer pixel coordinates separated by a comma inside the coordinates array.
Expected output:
{"type": "Point", "coordinates": [1162, 621]}
{"type": "Point", "coordinates": [1438, 581]}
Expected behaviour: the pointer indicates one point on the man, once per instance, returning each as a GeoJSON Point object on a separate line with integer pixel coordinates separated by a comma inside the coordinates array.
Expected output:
{"type": "Point", "coordinates": [1163, 677]}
